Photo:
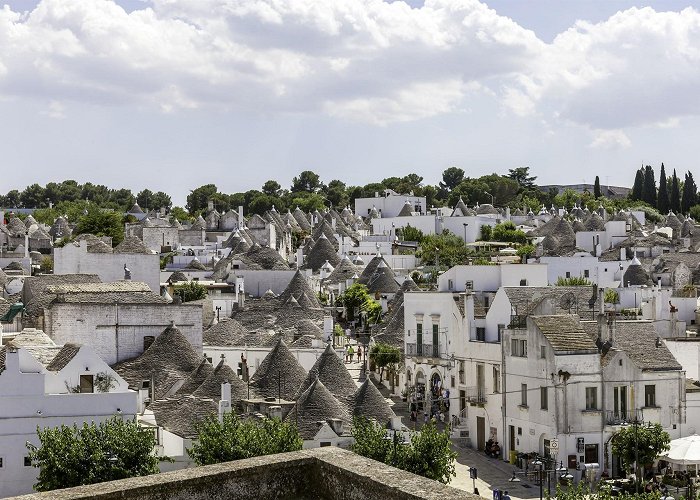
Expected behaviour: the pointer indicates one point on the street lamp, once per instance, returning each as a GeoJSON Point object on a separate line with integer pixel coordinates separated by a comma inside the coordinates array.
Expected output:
{"type": "Point", "coordinates": [538, 463]}
{"type": "Point", "coordinates": [465, 224]}
{"type": "Point", "coordinates": [490, 196]}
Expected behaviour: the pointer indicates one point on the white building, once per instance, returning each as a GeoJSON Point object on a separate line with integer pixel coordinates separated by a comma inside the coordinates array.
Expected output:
{"type": "Point", "coordinates": [44, 385]}
{"type": "Point", "coordinates": [606, 273]}
{"type": "Point", "coordinates": [143, 264]}
{"type": "Point", "coordinates": [389, 204]}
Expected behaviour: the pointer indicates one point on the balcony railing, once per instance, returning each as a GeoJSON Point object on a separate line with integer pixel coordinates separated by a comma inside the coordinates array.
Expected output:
{"type": "Point", "coordinates": [475, 394]}
{"type": "Point", "coordinates": [427, 350]}
{"type": "Point", "coordinates": [625, 417]}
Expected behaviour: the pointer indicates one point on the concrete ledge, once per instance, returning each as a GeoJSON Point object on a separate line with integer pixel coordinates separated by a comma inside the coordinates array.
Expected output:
{"type": "Point", "coordinates": [321, 473]}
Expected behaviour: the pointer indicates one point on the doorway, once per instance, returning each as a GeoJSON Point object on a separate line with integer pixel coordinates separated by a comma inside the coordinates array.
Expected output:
{"type": "Point", "coordinates": [591, 454]}
{"type": "Point", "coordinates": [480, 433]}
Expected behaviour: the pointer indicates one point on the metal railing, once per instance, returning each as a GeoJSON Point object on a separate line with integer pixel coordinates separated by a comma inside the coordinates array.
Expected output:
{"type": "Point", "coordinates": [475, 394]}
{"type": "Point", "coordinates": [424, 349]}
{"type": "Point", "coordinates": [623, 417]}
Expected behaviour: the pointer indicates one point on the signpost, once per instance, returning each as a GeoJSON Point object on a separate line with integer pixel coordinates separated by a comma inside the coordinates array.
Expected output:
{"type": "Point", "coordinates": [473, 475]}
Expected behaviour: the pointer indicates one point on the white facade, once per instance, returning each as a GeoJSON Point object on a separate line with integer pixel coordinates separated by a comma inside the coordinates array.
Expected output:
{"type": "Point", "coordinates": [491, 278]}
{"type": "Point", "coordinates": [117, 332]}
{"type": "Point", "coordinates": [389, 204]}
{"type": "Point", "coordinates": [33, 396]}
{"type": "Point", "coordinates": [467, 228]}
{"type": "Point", "coordinates": [72, 259]}
{"type": "Point", "coordinates": [584, 265]}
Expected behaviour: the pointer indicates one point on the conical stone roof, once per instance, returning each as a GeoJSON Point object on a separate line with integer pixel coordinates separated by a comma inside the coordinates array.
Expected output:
{"type": "Point", "coordinates": [594, 223]}
{"type": "Point", "coordinates": [330, 370]}
{"type": "Point", "coordinates": [196, 377]}
{"type": "Point", "coordinates": [297, 286]}
{"type": "Point", "coordinates": [635, 275]}
{"type": "Point", "coordinates": [279, 374]}
{"type": "Point", "coordinates": [321, 251]}
{"type": "Point", "coordinates": [382, 280]}
{"type": "Point", "coordinates": [169, 359]}
{"type": "Point", "coordinates": [227, 332]}
{"type": "Point", "coordinates": [406, 210]}
{"type": "Point", "coordinates": [211, 387]}
{"type": "Point", "coordinates": [342, 272]}
{"type": "Point", "coordinates": [368, 402]}
{"type": "Point", "coordinates": [316, 404]}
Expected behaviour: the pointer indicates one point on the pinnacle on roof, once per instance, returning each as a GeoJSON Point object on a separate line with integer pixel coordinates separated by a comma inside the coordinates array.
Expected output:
{"type": "Point", "coordinates": [406, 210]}
{"type": "Point", "coordinates": [635, 275]}
{"type": "Point", "coordinates": [342, 272]}
{"type": "Point", "coordinates": [196, 265]}
{"type": "Point", "coordinates": [226, 332]}
{"type": "Point", "coordinates": [211, 387]}
{"type": "Point", "coordinates": [368, 402]}
{"type": "Point", "coordinates": [316, 404]}
{"type": "Point", "coordinates": [330, 370]}
{"type": "Point", "coordinates": [135, 209]}
{"type": "Point", "coordinates": [279, 374]}
{"type": "Point", "coordinates": [177, 277]}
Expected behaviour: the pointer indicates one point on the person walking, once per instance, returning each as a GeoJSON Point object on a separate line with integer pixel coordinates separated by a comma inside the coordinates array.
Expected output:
{"type": "Point", "coordinates": [351, 353]}
{"type": "Point", "coordinates": [359, 354]}
{"type": "Point", "coordinates": [505, 495]}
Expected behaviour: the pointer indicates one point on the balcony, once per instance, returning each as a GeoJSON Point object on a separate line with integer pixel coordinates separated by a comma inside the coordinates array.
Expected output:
{"type": "Point", "coordinates": [475, 394]}
{"type": "Point", "coordinates": [427, 350]}
{"type": "Point", "coordinates": [626, 417]}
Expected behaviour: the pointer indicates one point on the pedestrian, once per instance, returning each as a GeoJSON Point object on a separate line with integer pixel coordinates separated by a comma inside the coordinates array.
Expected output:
{"type": "Point", "coordinates": [351, 352]}
{"type": "Point", "coordinates": [359, 354]}
{"type": "Point", "coordinates": [505, 496]}
{"type": "Point", "coordinates": [425, 417]}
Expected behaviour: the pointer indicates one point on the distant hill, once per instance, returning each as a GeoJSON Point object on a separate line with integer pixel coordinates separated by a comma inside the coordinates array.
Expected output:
{"type": "Point", "coordinates": [613, 192]}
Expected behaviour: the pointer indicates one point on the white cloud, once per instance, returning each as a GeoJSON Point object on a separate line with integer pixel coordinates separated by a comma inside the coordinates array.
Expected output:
{"type": "Point", "coordinates": [610, 140]}
{"type": "Point", "coordinates": [55, 110]}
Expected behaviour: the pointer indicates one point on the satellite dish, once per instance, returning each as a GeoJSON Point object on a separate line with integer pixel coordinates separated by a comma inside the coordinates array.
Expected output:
{"type": "Point", "coordinates": [567, 301]}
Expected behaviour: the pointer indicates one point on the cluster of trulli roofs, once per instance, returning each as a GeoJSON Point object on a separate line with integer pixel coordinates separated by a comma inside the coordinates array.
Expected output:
{"type": "Point", "coordinates": [499, 351]}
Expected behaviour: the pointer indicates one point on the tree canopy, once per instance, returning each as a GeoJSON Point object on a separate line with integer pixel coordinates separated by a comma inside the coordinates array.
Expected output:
{"type": "Point", "coordinates": [101, 222]}
{"type": "Point", "coordinates": [356, 299]}
{"type": "Point", "coordinates": [646, 442]}
{"type": "Point", "coordinates": [427, 453]}
{"type": "Point", "coordinates": [235, 439]}
{"type": "Point", "coordinates": [662, 201]}
{"type": "Point", "coordinates": [92, 453]}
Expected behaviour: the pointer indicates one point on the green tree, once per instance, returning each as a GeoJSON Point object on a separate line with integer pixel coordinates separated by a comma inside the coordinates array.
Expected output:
{"type": "Point", "coordinates": [573, 281]}
{"type": "Point", "coordinates": [522, 176]}
{"type": "Point", "coordinates": [695, 212]}
{"type": "Point", "coordinates": [92, 453]}
{"type": "Point", "coordinates": [386, 357]}
{"type": "Point", "coordinates": [336, 193]}
{"type": "Point", "coordinates": [427, 453]}
{"type": "Point", "coordinates": [446, 249]}
{"type": "Point", "coordinates": [162, 200]}
{"type": "Point", "coordinates": [637, 193]}
{"type": "Point", "coordinates": [198, 198]}
{"type": "Point", "coordinates": [525, 251]}
{"type": "Point", "coordinates": [33, 196]}
{"type": "Point", "coordinates": [95, 193]}
{"type": "Point", "coordinates": [643, 443]}
{"type": "Point", "coordinates": [180, 214]}
{"type": "Point", "coordinates": [410, 233]}
{"type": "Point", "coordinates": [307, 181]}
{"type": "Point", "coordinates": [662, 201]}
{"type": "Point", "coordinates": [508, 233]}
{"type": "Point", "coordinates": [101, 222]}
{"type": "Point", "coordinates": [690, 193]}
{"type": "Point", "coordinates": [486, 233]}
{"type": "Point", "coordinates": [122, 199]}
{"type": "Point", "coordinates": [675, 194]}
{"type": "Point", "coordinates": [649, 193]}
{"type": "Point", "coordinates": [356, 299]}
{"type": "Point", "coordinates": [451, 178]}
{"type": "Point", "coordinates": [145, 199]}
{"type": "Point", "coordinates": [271, 188]}
{"type": "Point", "coordinates": [235, 439]}
{"type": "Point", "coordinates": [596, 188]}
{"type": "Point", "coordinates": [190, 291]}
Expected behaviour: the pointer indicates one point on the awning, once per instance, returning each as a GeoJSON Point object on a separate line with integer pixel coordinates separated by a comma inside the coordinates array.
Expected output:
{"type": "Point", "coordinates": [14, 310]}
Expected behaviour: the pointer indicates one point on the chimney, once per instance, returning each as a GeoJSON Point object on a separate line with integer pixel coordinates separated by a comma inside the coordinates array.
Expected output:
{"type": "Point", "coordinates": [275, 411]}
{"type": "Point", "coordinates": [26, 244]}
{"type": "Point", "coordinates": [395, 423]}
{"type": "Point", "coordinates": [226, 391]}
{"type": "Point", "coordinates": [210, 205]}
{"type": "Point", "coordinates": [12, 360]}
{"type": "Point", "coordinates": [507, 213]}
{"type": "Point", "coordinates": [336, 424]}
{"type": "Point", "coordinates": [601, 314]}
{"type": "Point", "coordinates": [333, 222]}
{"type": "Point", "coordinates": [328, 327]}
{"type": "Point", "coordinates": [240, 216]}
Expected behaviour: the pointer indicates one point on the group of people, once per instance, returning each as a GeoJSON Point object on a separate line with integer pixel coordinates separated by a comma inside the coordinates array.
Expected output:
{"type": "Point", "coordinates": [350, 354]}
{"type": "Point", "coordinates": [492, 448]}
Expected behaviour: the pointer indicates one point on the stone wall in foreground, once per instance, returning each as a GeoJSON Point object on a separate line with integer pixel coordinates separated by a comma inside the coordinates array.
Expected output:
{"type": "Point", "coordinates": [321, 473]}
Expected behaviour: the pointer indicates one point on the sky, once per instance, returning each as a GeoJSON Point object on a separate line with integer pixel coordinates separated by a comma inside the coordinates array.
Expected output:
{"type": "Point", "coordinates": [172, 94]}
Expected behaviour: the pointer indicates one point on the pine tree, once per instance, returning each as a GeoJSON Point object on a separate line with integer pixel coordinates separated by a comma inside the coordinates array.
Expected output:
{"type": "Point", "coordinates": [675, 194]}
{"type": "Point", "coordinates": [649, 192]}
{"type": "Point", "coordinates": [596, 188]}
{"type": "Point", "coordinates": [638, 187]}
{"type": "Point", "coordinates": [662, 202]}
{"type": "Point", "coordinates": [690, 194]}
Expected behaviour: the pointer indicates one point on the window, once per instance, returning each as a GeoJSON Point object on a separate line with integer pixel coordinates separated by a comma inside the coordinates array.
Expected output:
{"type": "Point", "coordinates": [523, 282]}
{"type": "Point", "coordinates": [501, 327]}
{"type": "Point", "coordinates": [0, 462]}
{"type": "Point", "coordinates": [544, 404]}
{"type": "Point", "coordinates": [568, 274]}
{"type": "Point", "coordinates": [480, 333]}
{"type": "Point", "coordinates": [586, 274]}
{"type": "Point", "coordinates": [461, 372]}
{"type": "Point", "coordinates": [450, 285]}
{"type": "Point", "coordinates": [543, 352]}
{"type": "Point", "coordinates": [87, 384]}
{"type": "Point", "coordinates": [419, 329]}
{"type": "Point", "coordinates": [147, 341]}
{"type": "Point", "coordinates": [496, 380]}
{"type": "Point", "coordinates": [325, 443]}
{"type": "Point", "coordinates": [591, 398]}
{"type": "Point", "coordinates": [518, 348]}
{"type": "Point", "coordinates": [486, 301]}
{"type": "Point", "coordinates": [452, 380]}
{"type": "Point", "coordinates": [27, 462]}
{"type": "Point", "coordinates": [436, 328]}
{"type": "Point", "coordinates": [649, 395]}
{"type": "Point", "coordinates": [523, 394]}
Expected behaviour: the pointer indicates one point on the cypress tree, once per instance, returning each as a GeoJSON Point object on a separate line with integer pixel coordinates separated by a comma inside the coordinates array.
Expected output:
{"type": "Point", "coordinates": [638, 187]}
{"type": "Point", "coordinates": [690, 194]}
{"type": "Point", "coordinates": [675, 194]}
{"type": "Point", "coordinates": [649, 192]}
{"type": "Point", "coordinates": [662, 202]}
{"type": "Point", "coordinates": [596, 188]}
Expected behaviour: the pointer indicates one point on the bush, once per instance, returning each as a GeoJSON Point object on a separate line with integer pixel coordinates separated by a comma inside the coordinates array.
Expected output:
{"type": "Point", "coordinates": [191, 291]}
{"type": "Point", "coordinates": [573, 281]}
{"type": "Point", "coordinates": [651, 214]}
